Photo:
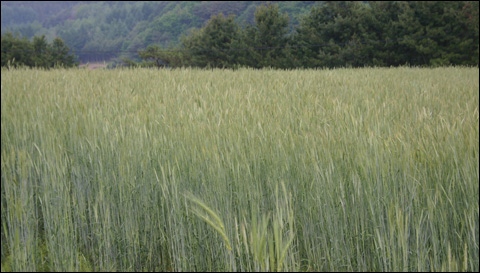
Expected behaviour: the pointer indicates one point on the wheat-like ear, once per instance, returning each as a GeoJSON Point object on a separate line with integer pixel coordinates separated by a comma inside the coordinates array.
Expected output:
{"type": "Point", "coordinates": [284, 252]}
{"type": "Point", "coordinates": [210, 217]}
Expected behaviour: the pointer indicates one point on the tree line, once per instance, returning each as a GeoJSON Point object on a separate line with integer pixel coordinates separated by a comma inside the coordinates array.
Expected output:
{"type": "Point", "coordinates": [334, 34]}
{"type": "Point", "coordinates": [101, 31]}
{"type": "Point", "coordinates": [331, 34]}
{"type": "Point", "coordinates": [18, 51]}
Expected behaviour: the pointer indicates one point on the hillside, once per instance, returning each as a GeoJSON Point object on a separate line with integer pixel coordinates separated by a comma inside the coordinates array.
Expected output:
{"type": "Point", "coordinates": [102, 31]}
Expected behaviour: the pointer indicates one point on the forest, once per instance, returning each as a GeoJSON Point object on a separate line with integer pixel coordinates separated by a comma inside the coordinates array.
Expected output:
{"type": "Point", "coordinates": [280, 35]}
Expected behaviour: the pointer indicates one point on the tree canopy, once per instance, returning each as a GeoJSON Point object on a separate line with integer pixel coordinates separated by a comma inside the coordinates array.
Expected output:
{"type": "Point", "coordinates": [340, 34]}
{"type": "Point", "coordinates": [36, 53]}
{"type": "Point", "coordinates": [326, 35]}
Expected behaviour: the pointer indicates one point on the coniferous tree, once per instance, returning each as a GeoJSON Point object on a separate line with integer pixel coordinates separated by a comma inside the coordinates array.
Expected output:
{"type": "Point", "coordinates": [40, 52]}
{"type": "Point", "coordinates": [60, 54]}
{"type": "Point", "coordinates": [216, 44]}
{"type": "Point", "coordinates": [338, 34]}
{"type": "Point", "coordinates": [16, 51]}
{"type": "Point", "coordinates": [270, 41]}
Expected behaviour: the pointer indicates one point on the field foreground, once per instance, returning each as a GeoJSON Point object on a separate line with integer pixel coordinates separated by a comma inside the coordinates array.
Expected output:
{"type": "Point", "coordinates": [247, 170]}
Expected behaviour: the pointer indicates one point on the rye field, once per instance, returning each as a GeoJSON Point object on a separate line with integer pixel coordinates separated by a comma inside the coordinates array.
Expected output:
{"type": "Point", "coordinates": [373, 169]}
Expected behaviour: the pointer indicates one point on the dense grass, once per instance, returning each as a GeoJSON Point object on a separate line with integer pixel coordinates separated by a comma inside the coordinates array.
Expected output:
{"type": "Point", "coordinates": [247, 170]}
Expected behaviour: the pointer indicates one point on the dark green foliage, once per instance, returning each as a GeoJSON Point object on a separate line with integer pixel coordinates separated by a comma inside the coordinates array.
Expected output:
{"type": "Point", "coordinates": [38, 53]}
{"type": "Point", "coordinates": [224, 43]}
{"type": "Point", "coordinates": [449, 34]}
{"type": "Point", "coordinates": [254, 34]}
{"type": "Point", "coordinates": [59, 54]}
{"type": "Point", "coordinates": [154, 56]}
{"type": "Point", "coordinates": [13, 50]}
{"type": "Point", "coordinates": [102, 31]}
{"type": "Point", "coordinates": [269, 36]}
{"type": "Point", "coordinates": [214, 44]}
{"type": "Point", "coordinates": [340, 34]}
{"type": "Point", "coordinates": [387, 34]}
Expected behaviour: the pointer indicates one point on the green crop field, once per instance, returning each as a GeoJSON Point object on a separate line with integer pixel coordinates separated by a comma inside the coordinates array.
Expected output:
{"type": "Point", "coordinates": [249, 170]}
